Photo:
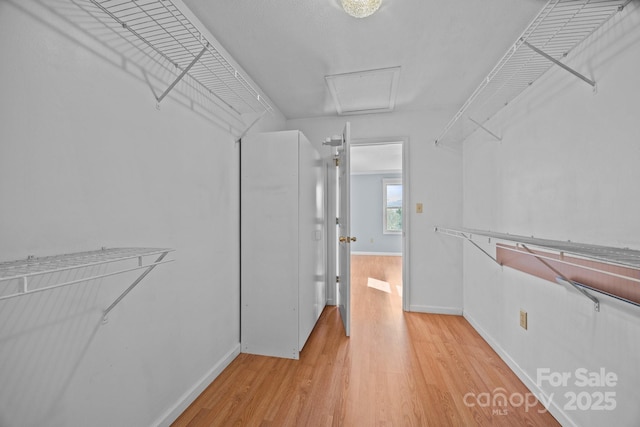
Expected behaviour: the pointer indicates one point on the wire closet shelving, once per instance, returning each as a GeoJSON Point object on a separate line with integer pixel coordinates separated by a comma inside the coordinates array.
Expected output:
{"type": "Point", "coordinates": [612, 255]}
{"type": "Point", "coordinates": [560, 26]}
{"type": "Point", "coordinates": [623, 257]}
{"type": "Point", "coordinates": [164, 30]}
{"type": "Point", "coordinates": [18, 275]}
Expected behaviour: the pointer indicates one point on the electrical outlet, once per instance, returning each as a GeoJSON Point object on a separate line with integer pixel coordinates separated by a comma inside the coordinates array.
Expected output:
{"type": "Point", "coordinates": [418, 207]}
{"type": "Point", "coordinates": [523, 319]}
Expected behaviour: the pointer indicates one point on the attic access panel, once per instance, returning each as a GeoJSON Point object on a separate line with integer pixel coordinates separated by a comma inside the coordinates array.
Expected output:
{"type": "Point", "coordinates": [371, 91]}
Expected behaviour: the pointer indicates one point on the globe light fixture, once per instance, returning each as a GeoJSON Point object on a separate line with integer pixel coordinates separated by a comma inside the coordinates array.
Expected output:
{"type": "Point", "coordinates": [360, 8]}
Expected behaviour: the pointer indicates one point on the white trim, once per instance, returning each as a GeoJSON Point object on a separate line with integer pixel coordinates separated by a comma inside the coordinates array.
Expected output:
{"type": "Point", "coordinates": [380, 172]}
{"type": "Point", "coordinates": [171, 414]}
{"type": "Point", "coordinates": [377, 253]}
{"type": "Point", "coordinates": [553, 408]}
{"type": "Point", "coordinates": [432, 309]}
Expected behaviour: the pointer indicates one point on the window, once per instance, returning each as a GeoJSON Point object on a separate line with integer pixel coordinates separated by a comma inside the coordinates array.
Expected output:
{"type": "Point", "coordinates": [392, 205]}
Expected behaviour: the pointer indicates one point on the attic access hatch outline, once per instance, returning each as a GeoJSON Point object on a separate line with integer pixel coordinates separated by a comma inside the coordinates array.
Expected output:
{"type": "Point", "coordinates": [165, 31]}
{"type": "Point", "coordinates": [560, 26]}
{"type": "Point", "coordinates": [364, 92]}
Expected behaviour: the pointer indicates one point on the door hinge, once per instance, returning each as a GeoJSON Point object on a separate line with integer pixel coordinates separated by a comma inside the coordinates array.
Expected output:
{"type": "Point", "coordinates": [337, 161]}
{"type": "Point", "coordinates": [337, 279]}
{"type": "Point", "coordinates": [337, 221]}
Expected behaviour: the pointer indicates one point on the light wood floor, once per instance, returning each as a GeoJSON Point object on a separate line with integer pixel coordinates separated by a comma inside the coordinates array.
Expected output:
{"type": "Point", "coordinates": [396, 369]}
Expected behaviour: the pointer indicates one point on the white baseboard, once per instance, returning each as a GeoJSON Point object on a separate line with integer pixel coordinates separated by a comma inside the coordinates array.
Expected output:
{"type": "Point", "coordinates": [530, 383]}
{"type": "Point", "coordinates": [183, 403]}
{"type": "Point", "coordinates": [436, 309]}
{"type": "Point", "coordinates": [377, 253]}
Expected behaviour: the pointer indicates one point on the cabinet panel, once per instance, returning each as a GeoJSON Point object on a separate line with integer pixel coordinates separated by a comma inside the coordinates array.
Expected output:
{"type": "Point", "coordinates": [282, 242]}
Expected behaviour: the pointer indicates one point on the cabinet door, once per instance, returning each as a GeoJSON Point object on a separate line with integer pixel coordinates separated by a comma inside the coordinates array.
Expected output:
{"type": "Point", "coordinates": [269, 244]}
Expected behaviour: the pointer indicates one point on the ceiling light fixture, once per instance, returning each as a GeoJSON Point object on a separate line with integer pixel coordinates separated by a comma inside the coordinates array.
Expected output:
{"type": "Point", "coordinates": [360, 8]}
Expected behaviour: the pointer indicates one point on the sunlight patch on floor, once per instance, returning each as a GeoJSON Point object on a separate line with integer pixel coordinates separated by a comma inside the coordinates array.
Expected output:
{"type": "Point", "coordinates": [379, 285]}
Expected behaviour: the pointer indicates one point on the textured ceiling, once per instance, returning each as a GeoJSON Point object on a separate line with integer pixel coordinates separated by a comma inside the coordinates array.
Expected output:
{"type": "Point", "coordinates": [444, 48]}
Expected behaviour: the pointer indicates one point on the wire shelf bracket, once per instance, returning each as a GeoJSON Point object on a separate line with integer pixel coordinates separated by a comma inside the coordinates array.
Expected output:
{"type": "Point", "coordinates": [499, 139]}
{"type": "Point", "coordinates": [561, 26]}
{"type": "Point", "coordinates": [184, 72]}
{"type": "Point", "coordinates": [23, 271]}
{"type": "Point", "coordinates": [468, 238]}
{"type": "Point", "coordinates": [560, 64]}
{"type": "Point", "coordinates": [596, 302]}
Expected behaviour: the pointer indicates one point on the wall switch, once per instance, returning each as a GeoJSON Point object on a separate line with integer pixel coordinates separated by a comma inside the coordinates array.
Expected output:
{"type": "Point", "coordinates": [523, 319]}
{"type": "Point", "coordinates": [418, 207]}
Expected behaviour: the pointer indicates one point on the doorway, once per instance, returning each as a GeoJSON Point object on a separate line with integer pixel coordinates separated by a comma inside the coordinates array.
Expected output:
{"type": "Point", "coordinates": [379, 195]}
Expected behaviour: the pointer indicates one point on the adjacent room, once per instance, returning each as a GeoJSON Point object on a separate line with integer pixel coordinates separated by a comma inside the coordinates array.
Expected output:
{"type": "Point", "coordinates": [327, 212]}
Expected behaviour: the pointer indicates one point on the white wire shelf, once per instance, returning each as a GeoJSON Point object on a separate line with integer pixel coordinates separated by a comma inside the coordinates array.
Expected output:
{"type": "Point", "coordinates": [560, 26]}
{"type": "Point", "coordinates": [166, 31]}
{"type": "Point", "coordinates": [24, 271]}
{"type": "Point", "coordinates": [621, 257]}
{"type": "Point", "coordinates": [611, 255]}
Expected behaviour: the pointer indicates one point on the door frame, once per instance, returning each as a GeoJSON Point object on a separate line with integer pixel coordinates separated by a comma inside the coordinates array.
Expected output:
{"type": "Point", "coordinates": [406, 218]}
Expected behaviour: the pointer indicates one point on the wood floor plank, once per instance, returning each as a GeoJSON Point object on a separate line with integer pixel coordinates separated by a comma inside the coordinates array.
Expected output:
{"type": "Point", "coordinates": [396, 369]}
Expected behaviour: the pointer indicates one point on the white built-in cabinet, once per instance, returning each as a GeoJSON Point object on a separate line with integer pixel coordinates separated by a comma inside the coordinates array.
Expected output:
{"type": "Point", "coordinates": [283, 284]}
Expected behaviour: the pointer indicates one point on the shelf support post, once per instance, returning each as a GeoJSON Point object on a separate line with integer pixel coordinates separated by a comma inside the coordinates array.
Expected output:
{"type": "Point", "coordinates": [483, 251]}
{"type": "Point", "coordinates": [595, 300]}
{"type": "Point", "coordinates": [184, 72]}
{"type": "Point", "coordinates": [560, 64]}
{"type": "Point", "coordinates": [486, 130]}
{"type": "Point", "coordinates": [133, 285]}
{"type": "Point", "coordinates": [468, 237]}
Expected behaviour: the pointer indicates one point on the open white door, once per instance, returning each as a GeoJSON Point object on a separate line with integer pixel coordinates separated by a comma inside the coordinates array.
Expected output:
{"type": "Point", "coordinates": [344, 231]}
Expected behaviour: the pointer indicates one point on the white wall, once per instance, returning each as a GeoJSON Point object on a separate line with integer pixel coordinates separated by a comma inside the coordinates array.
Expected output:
{"type": "Point", "coordinates": [86, 160]}
{"type": "Point", "coordinates": [566, 169]}
{"type": "Point", "coordinates": [367, 215]}
{"type": "Point", "coordinates": [434, 278]}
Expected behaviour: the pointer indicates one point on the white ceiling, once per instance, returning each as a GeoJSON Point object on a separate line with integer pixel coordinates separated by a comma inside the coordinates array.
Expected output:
{"type": "Point", "coordinates": [377, 158]}
{"type": "Point", "coordinates": [444, 47]}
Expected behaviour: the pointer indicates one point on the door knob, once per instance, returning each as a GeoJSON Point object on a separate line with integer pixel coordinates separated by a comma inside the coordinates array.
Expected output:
{"type": "Point", "coordinates": [347, 239]}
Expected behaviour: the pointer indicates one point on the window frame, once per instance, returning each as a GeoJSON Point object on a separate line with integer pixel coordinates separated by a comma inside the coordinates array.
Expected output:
{"type": "Point", "coordinates": [386, 182]}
